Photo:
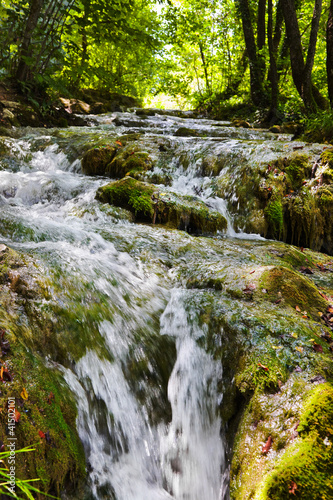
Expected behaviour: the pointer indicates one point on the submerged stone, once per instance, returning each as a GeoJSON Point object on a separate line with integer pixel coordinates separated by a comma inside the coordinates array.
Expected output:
{"type": "Point", "coordinates": [187, 213]}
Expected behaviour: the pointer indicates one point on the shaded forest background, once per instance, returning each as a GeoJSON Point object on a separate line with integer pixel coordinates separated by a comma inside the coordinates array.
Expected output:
{"type": "Point", "coordinates": [217, 56]}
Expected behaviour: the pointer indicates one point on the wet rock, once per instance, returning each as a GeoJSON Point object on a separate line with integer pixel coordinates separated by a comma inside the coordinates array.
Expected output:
{"type": "Point", "coordinates": [145, 112]}
{"type": "Point", "coordinates": [187, 132]}
{"type": "Point", "coordinates": [149, 204]}
{"type": "Point", "coordinates": [95, 161]}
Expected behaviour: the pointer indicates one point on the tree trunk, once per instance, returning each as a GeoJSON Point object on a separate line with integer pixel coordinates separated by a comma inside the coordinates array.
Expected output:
{"type": "Point", "coordinates": [301, 70]}
{"type": "Point", "coordinates": [22, 72]}
{"type": "Point", "coordinates": [256, 71]}
{"type": "Point", "coordinates": [329, 52]}
{"type": "Point", "coordinates": [273, 74]}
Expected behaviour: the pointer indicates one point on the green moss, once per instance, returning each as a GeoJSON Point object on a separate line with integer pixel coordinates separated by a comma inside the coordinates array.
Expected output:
{"type": "Point", "coordinates": [131, 163]}
{"type": "Point", "coordinates": [303, 220]}
{"type": "Point", "coordinates": [298, 168]}
{"type": "Point", "coordinates": [48, 414]}
{"type": "Point", "coordinates": [181, 212]}
{"type": "Point", "coordinates": [130, 194]}
{"type": "Point", "coordinates": [326, 157]}
{"type": "Point", "coordinates": [325, 197]}
{"type": "Point", "coordinates": [294, 288]}
{"type": "Point", "coordinates": [308, 462]}
{"type": "Point", "coordinates": [274, 216]}
{"type": "Point", "coordinates": [253, 377]}
{"type": "Point", "coordinates": [95, 161]}
{"type": "Point", "coordinates": [317, 415]}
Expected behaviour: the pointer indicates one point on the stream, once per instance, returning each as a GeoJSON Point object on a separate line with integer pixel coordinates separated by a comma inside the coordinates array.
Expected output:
{"type": "Point", "coordinates": [149, 390]}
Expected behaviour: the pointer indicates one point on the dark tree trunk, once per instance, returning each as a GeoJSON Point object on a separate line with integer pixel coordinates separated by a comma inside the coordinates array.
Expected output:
{"type": "Point", "coordinates": [256, 71]}
{"type": "Point", "coordinates": [301, 70]}
{"type": "Point", "coordinates": [273, 74]}
{"type": "Point", "coordinates": [329, 50]}
{"type": "Point", "coordinates": [22, 72]}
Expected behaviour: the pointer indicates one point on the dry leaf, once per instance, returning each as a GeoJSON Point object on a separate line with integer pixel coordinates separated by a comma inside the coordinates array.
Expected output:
{"type": "Point", "coordinates": [263, 367]}
{"type": "Point", "coordinates": [317, 347]}
{"type": "Point", "coordinates": [297, 309]}
{"type": "Point", "coordinates": [299, 349]}
{"type": "Point", "coordinates": [292, 488]}
{"type": "Point", "coordinates": [24, 394]}
{"type": "Point", "coordinates": [41, 433]}
{"type": "Point", "coordinates": [293, 334]}
{"type": "Point", "coordinates": [17, 416]}
{"type": "Point", "coordinates": [267, 446]}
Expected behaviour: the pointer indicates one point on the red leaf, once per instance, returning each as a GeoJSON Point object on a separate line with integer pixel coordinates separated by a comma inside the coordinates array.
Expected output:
{"type": "Point", "coordinates": [267, 446]}
{"type": "Point", "coordinates": [41, 433]}
{"type": "Point", "coordinates": [263, 367]}
{"type": "Point", "coordinates": [249, 288]}
{"type": "Point", "coordinates": [292, 488]}
{"type": "Point", "coordinates": [51, 396]}
{"type": "Point", "coordinates": [17, 416]}
{"type": "Point", "coordinates": [317, 347]}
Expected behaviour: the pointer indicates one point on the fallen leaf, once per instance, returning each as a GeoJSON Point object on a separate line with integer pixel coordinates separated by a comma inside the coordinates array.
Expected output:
{"type": "Point", "coordinates": [278, 301]}
{"type": "Point", "coordinates": [24, 394]}
{"type": "Point", "coordinates": [17, 416]}
{"type": "Point", "coordinates": [267, 446]}
{"type": "Point", "coordinates": [249, 288]}
{"type": "Point", "coordinates": [42, 435]}
{"type": "Point", "coordinates": [293, 334]}
{"type": "Point", "coordinates": [330, 309]}
{"type": "Point", "coordinates": [252, 272]}
{"type": "Point", "coordinates": [299, 349]}
{"type": "Point", "coordinates": [6, 376]}
{"type": "Point", "coordinates": [263, 367]}
{"type": "Point", "coordinates": [317, 347]}
{"type": "Point", "coordinates": [297, 309]}
{"type": "Point", "coordinates": [51, 396]}
{"type": "Point", "coordinates": [320, 313]}
{"type": "Point", "coordinates": [277, 346]}
{"type": "Point", "coordinates": [119, 143]}
{"type": "Point", "coordinates": [292, 488]}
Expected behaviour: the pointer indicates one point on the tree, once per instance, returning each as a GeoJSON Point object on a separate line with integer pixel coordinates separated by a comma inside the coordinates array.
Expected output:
{"type": "Point", "coordinates": [302, 70]}
{"type": "Point", "coordinates": [329, 51]}
{"type": "Point", "coordinates": [256, 59]}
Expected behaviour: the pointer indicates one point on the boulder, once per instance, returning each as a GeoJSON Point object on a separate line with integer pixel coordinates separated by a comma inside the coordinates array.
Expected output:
{"type": "Point", "coordinates": [187, 213]}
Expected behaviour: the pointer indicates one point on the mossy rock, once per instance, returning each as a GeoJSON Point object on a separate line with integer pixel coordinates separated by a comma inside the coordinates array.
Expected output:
{"type": "Point", "coordinates": [326, 157]}
{"type": "Point", "coordinates": [95, 161]}
{"type": "Point", "coordinates": [305, 469]}
{"type": "Point", "coordinates": [187, 132]}
{"type": "Point", "coordinates": [298, 168]}
{"type": "Point", "coordinates": [147, 203]}
{"type": "Point", "coordinates": [47, 409]}
{"type": "Point", "coordinates": [295, 289]}
{"type": "Point", "coordinates": [274, 216]}
{"type": "Point", "coordinates": [129, 161]}
{"type": "Point", "coordinates": [145, 112]}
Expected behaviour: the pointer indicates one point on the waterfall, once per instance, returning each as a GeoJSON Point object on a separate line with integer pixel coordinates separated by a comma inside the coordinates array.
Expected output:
{"type": "Point", "coordinates": [151, 430]}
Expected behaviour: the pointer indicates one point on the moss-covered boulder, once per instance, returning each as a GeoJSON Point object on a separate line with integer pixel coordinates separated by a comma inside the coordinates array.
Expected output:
{"type": "Point", "coordinates": [45, 407]}
{"type": "Point", "coordinates": [187, 132]}
{"type": "Point", "coordinates": [149, 204]}
{"type": "Point", "coordinates": [96, 160]}
{"type": "Point", "coordinates": [265, 310]}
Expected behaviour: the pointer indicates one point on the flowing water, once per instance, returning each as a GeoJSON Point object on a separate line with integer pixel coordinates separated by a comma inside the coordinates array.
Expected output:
{"type": "Point", "coordinates": [148, 392]}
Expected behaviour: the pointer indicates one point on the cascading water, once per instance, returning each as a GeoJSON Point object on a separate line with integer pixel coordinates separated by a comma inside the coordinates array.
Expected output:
{"type": "Point", "coordinates": [153, 437]}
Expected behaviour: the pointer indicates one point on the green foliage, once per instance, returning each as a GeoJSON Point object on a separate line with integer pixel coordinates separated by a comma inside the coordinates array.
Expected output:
{"type": "Point", "coordinates": [274, 215]}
